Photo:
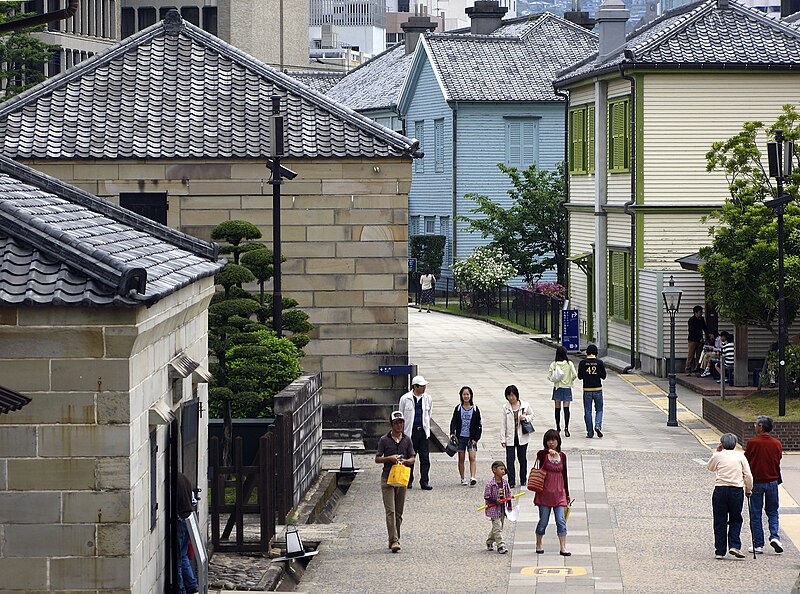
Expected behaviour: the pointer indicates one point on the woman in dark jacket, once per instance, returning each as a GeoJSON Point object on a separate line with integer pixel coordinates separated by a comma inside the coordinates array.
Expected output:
{"type": "Point", "coordinates": [466, 427]}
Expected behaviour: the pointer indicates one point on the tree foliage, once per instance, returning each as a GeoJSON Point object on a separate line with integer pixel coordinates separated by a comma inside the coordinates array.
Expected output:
{"type": "Point", "coordinates": [740, 267]}
{"type": "Point", "coordinates": [23, 56]}
{"type": "Point", "coordinates": [532, 231]}
{"type": "Point", "coordinates": [476, 277]}
{"type": "Point", "coordinates": [429, 252]}
{"type": "Point", "coordinates": [234, 233]}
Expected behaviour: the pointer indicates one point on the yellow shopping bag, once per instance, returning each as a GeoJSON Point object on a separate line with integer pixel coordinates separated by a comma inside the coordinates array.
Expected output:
{"type": "Point", "coordinates": [399, 475]}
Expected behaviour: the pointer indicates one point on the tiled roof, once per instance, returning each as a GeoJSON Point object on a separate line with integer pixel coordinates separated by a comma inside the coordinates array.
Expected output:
{"type": "Point", "coordinates": [517, 62]}
{"type": "Point", "coordinates": [375, 84]}
{"type": "Point", "coordinates": [11, 400]}
{"type": "Point", "coordinates": [319, 80]}
{"type": "Point", "coordinates": [175, 91]}
{"type": "Point", "coordinates": [702, 35]}
{"type": "Point", "coordinates": [60, 245]}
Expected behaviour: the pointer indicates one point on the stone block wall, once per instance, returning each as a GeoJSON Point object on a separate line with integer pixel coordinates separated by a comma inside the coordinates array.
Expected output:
{"type": "Point", "coordinates": [344, 234]}
{"type": "Point", "coordinates": [788, 432]}
{"type": "Point", "coordinates": [74, 482]}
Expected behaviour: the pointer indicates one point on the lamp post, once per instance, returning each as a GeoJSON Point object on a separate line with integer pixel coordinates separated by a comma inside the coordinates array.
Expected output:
{"type": "Point", "coordinates": [672, 302]}
{"type": "Point", "coordinates": [780, 155]}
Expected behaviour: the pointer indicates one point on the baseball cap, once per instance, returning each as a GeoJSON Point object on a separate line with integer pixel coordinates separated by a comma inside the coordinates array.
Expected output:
{"type": "Point", "coordinates": [418, 381]}
{"type": "Point", "coordinates": [397, 416]}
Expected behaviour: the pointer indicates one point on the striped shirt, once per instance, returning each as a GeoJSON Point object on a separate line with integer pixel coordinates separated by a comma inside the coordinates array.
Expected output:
{"type": "Point", "coordinates": [728, 353]}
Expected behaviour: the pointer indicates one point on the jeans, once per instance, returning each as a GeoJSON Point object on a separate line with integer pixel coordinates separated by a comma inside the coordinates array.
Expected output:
{"type": "Point", "coordinates": [394, 500]}
{"type": "Point", "coordinates": [726, 503]}
{"type": "Point", "coordinates": [764, 495]}
{"type": "Point", "coordinates": [521, 452]}
{"type": "Point", "coordinates": [595, 397]}
{"type": "Point", "coordinates": [420, 442]}
{"type": "Point", "coordinates": [186, 579]}
{"type": "Point", "coordinates": [544, 518]}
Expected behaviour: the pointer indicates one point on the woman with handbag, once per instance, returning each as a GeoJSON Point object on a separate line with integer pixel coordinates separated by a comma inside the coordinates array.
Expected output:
{"type": "Point", "coordinates": [515, 430]}
{"type": "Point", "coordinates": [563, 374]}
{"type": "Point", "coordinates": [466, 427]}
{"type": "Point", "coordinates": [555, 495]}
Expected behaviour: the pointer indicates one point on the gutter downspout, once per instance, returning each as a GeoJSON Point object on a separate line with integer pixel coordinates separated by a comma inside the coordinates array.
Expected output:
{"type": "Point", "coordinates": [563, 205]}
{"type": "Point", "coordinates": [600, 216]}
{"type": "Point", "coordinates": [634, 363]}
{"type": "Point", "coordinates": [41, 19]}
{"type": "Point", "coordinates": [454, 107]}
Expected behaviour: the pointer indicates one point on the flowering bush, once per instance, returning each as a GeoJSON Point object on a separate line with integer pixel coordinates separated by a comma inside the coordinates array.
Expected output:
{"type": "Point", "coordinates": [550, 289]}
{"type": "Point", "coordinates": [487, 268]}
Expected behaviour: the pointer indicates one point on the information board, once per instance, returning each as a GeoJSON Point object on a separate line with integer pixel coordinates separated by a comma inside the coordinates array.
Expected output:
{"type": "Point", "coordinates": [570, 338]}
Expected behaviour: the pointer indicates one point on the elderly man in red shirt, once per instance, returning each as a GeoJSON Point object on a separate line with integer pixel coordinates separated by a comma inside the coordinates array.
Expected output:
{"type": "Point", "coordinates": [764, 453]}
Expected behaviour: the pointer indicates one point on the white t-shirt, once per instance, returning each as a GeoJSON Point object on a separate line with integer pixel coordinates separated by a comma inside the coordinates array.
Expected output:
{"type": "Point", "coordinates": [426, 281]}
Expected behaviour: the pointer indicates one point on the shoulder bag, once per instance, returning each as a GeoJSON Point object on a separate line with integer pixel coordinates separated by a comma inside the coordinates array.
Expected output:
{"type": "Point", "coordinates": [526, 426]}
{"type": "Point", "coordinates": [452, 446]}
{"type": "Point", "coordinates": [558, 374]}
{"type": "Point", "coordinates": [536, 478]}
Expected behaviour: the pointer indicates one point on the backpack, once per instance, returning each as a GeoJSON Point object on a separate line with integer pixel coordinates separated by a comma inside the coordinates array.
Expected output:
{"type": "Point", "coordinates": [557, 375]}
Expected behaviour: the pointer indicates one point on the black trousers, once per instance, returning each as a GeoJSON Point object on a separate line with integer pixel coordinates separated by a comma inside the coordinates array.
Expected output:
{"type": "Point", "coordinates": [420, 442]}
{"type": "Point", "coordinates": [521, 452]}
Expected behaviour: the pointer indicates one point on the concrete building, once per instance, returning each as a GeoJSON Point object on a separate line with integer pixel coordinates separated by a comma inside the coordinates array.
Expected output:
{"type": "Point", "coordinates": [100, 309]}
{"type": "Point", "coordinates": [274, 31]}
{"type": "Point", "coordinates": [187, 140]}
{"type": "Point", "coordinates": [348, 24]}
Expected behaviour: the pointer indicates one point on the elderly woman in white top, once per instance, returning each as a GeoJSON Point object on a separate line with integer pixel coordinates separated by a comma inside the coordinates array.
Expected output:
{"type": "Point", "coordinates": [733, 481]}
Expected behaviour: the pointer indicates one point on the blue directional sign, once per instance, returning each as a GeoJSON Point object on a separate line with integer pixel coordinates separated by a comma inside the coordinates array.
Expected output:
{"type": "Point", "coordinates": [395, 370]}
{"type": "Point", "coordinates": [570, 338]}
{"type": "Point", "coordinates": [412, 264]}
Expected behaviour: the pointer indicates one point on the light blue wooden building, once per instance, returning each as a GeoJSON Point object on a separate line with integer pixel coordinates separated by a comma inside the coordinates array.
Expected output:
{"type": "Point", "coordinates": [474, 100]}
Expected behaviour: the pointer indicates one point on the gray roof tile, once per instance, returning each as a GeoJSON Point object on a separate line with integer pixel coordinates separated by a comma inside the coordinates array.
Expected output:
{"type": "Point", "coordinates": [700, 34]}
{"type": "Point", "coordinates": [319, 80]}
{"type": "Point", "coordinates": [175, 91]}
{"type": "Point", "coordinates": [60, 245]}
{"type": "Point", "coordinates": [517, 62]}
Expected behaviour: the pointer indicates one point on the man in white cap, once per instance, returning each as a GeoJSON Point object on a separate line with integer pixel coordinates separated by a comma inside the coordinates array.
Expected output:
{"type": "Point", "coordinates": [416, 408]}
{"type": "Point", "coordinates": [394, 448]}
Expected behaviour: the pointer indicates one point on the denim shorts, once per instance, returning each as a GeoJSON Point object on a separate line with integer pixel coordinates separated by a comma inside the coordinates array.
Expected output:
{"type": "Point", "coordinates": [465, 445]}
{"type": "Point", "coordinates": [562, 394]}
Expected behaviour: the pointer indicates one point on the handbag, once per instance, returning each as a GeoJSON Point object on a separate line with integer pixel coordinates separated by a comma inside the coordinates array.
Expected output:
{"type": "Point", "coordinates": [558, 374]}
{"type": "Point", "coordinates": [536, 479]}
{"type": "Point", "coordinates": [452, 446]}
{"type": "Point", "coordinates": [399, 475]}
{"type": "Point", "coordinates": [526, 426]}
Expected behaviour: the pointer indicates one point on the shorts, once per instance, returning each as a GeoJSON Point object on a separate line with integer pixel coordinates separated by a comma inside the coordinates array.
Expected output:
{"type": "Point", "coordinates": [465, 445]}
{"type": "Point", "coordinates": [562, 394]}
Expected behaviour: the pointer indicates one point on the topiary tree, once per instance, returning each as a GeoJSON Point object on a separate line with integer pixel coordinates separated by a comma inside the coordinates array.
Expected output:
{"type": "Point", "coordinates": [234, 233]}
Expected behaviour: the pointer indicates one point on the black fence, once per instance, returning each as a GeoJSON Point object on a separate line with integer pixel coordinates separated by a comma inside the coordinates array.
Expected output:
{"type": "Point", "coordinates": [538, 312]}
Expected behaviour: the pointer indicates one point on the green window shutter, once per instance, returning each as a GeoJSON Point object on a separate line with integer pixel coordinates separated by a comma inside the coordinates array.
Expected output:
{"type": "Point", "coordinates": [619, 136]}
{"type": "Point", "coordinates": [577, 161]}
{"type": "Point", "coordinates": [590, 139]}
{"type": "Point", "coordinates": [619, 290]}
{"type": "Point", "coordinates": [514, 144]}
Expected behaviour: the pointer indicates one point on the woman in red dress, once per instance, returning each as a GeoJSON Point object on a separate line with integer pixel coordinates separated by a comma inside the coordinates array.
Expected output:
{"type": "Point", "coordinates": [555, 495]}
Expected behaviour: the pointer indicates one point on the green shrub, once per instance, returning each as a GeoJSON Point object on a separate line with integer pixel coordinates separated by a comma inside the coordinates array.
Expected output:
{"type": "Point", "coordinates": [429, 252]}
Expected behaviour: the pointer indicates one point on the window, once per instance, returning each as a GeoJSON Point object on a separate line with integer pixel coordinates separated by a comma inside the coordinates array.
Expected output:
{"type": "Point", "coordinates": [430, 225]}
{"type": "Point", "coordinates": [438, 145]}
{"type": "Point", "coordinates": [191, 14]}
{"type": "Point", "coordinates": [446, 231]}
{"type": "Point", "coordinates": [152, 205]}
{"type": "Point", "coordinates": [522, 142]}
{"type": "Point", "coordinates": [577, 140]}
{"type": "Point", "coordinates": [147, 17]}
{"type": "Point", "coordinates": [128, 22]}
{"type": "Point", "coordinates": [619, 297]}
{"type": "Point", "coordinates": [164, 11]}
{"type": "Point", "coordinates": [619, 136]}
{"type": "Point", "coordinates": [210, 19]}
{"type": "Point", "coordinates": [413, 225]}
{"type": "Point", "coordinates": [153, 478]}
{"type": "Point", "coordinates": [419, 134]}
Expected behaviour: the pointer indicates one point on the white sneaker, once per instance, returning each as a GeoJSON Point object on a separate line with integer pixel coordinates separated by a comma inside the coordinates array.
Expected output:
{"type": "Point", "coordinates": [776, 544]}
{"type": "Point", "coordinates": [464, 481]}
{"type": "Point", "coordinates": [473, 481]}
{"type": "Point", "coordinates": [757, 550]}
{"type": "Point", "coordinates": [736, 553]}
{"type": "Point", "coordinates": [705, 373]}
{"type": "Point", "coordinates": [719, 556]}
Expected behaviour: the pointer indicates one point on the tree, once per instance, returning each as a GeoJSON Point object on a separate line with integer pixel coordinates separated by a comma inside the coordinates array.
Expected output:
{"type": "Point", "coordinates": [429, 252]}
{"type": "Point", "coordinates": [532, 232]}
{"type": "Point", "coordinates": [478, 276]}
{"type": "Point", "coordinates": [235, 232]}
{"type": "Point", "coordinates": [23, 57]}
{"type": "Point", "coordinates": [740, 267]}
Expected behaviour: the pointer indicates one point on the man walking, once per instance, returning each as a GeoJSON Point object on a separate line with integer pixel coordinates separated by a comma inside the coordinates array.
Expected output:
{"type": "Point", "coordinates": [394, 448]}
{"type": "Point", "coordinates": [697, 332]}
{"type": "Point", "coordinates": [416, 408]}
{"type": "Point", "coordinates": [764, 453]}
{"type": "Point", "coordinates": [592, 371]}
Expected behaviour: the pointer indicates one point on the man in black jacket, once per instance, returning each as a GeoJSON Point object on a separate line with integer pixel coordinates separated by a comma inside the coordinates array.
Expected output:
{"type": "Point", "coordinates": [697, 332]}
{"type": "Point", "coordinates": [592, 371]}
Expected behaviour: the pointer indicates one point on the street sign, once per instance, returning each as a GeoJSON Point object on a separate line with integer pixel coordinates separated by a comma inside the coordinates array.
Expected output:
{"type": "Point", "coordinates": [395, 369]}
{"type": "Point", "coordinates": [570, 338]}
{"type": "Point", "coordinates": [412, 264]}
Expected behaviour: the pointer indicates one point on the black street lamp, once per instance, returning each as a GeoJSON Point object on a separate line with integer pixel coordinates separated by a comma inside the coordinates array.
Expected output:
{"type": "Point", "coordinates": [672, 303]}
{"type": "Point", "coordinates": [780, 166]}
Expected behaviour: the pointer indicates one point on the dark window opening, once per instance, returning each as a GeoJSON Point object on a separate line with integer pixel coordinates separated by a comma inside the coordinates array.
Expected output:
{"type": "Point", "coordinates": [153, 478]}
{"type": "Point", "coordinates": [190, 420]}
{"type": "Point", "coordinates": [191, 14]}
{"type": "Point", "coordinates": [147, 17]}
{"type": "Point", "coordinates": [128, 22]}
{"type": "Point", "coordinates": [152, 205]}
{"type": "Point", "coordinates": [210, 19]}
{"type": "Point", "coordinates": [162, 12]}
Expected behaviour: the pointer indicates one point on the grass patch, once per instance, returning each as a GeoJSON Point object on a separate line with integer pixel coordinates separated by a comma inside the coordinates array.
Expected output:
{"type": "Point", "coordinates": [764, 402]}
{"type": "Point", "coordinates": [454, 309]}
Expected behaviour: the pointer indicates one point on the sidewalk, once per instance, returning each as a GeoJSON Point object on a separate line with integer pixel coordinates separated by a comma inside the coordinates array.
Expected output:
{"type": "Point", "coordinates": [642, 514]}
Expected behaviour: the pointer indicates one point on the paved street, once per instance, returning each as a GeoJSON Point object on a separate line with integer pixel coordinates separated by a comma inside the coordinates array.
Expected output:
{"type": "Point", "coordinates": [641, 521]}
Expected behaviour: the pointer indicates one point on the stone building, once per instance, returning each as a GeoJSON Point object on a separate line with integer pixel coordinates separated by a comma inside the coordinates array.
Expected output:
{"type": "Point", "coordinates": [103, 326]}
{"type": "Point", "coordinates": [175, 123]}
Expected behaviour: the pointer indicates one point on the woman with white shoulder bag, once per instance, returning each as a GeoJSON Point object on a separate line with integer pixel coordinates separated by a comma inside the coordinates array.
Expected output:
{"type": "Point", "coordinates": [562, 373]}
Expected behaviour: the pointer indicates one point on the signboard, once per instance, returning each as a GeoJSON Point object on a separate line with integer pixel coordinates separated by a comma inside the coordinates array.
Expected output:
{"type": "Point", "coordinates": [570, 337]}
{"type": "Point", "coordinates": [395, 370]}
{"type": "Point", "coordinates": [412, 264]}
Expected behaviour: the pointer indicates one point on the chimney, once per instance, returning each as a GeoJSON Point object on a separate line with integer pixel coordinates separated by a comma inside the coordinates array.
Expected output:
{"type": "Point", "coordinates": [413, 28]}
{"type": "Point", "coordinates": [485, 16]}
{"type": "Point", "coordinates": [611, 19]}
